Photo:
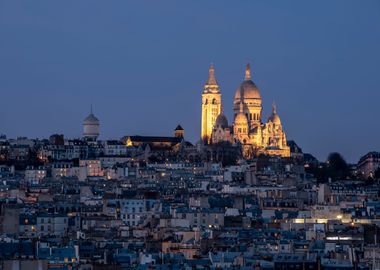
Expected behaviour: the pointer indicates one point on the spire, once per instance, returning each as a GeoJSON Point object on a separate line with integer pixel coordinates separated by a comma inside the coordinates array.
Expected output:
{"type": "Point", "coordinates": [247, 72]}
{"type": "Point", "coordinates": [211, 76]}
{"type": "Point", "coordinates": [91, 109]}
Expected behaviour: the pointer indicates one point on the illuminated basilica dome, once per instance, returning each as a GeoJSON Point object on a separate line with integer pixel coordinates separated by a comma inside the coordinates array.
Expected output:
{"type": "Point", "coordinates": [247, 89]}
{"type": "Point", "coordinates": [255, 136]}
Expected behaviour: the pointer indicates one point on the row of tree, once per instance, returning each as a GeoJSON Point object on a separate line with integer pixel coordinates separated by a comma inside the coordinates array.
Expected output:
{"type": "Point", "coordinates": [336, 168]}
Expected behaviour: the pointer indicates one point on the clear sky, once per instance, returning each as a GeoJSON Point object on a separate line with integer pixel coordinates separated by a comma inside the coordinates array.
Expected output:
{"type": "Point", "coordinates": [142, 64]}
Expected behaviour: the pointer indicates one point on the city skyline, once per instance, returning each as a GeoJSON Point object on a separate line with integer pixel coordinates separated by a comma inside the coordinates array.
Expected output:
{"type": "Point", "coordinates": [189, 135]}
{"type": "Point", "coordinates": [145, 76]}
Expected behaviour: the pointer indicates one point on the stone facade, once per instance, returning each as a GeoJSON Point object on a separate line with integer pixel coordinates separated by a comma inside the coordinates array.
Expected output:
{"type": "Point", "coordinates": [248, 129]}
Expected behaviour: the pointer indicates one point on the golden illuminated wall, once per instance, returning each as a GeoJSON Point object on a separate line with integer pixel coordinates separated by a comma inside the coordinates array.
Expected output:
{"type": "Point", "coordinates": [211, 105]}
{"type": "Point", "coordinates": [252, 109]}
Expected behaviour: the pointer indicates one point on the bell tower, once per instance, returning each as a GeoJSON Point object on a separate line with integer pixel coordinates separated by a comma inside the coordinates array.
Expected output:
{"type": "Point", "coordinates": [211, 105]}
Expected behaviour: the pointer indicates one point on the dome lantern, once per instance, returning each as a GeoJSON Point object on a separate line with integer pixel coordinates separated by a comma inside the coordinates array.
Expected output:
{"type": "Point", "coordinates": [247, 72]}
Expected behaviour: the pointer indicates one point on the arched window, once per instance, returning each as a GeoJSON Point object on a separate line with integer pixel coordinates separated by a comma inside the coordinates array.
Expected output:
{"type": "Point", "coordinates": [214, 101]}
{"type": "Point", "coordinates": [206, 102]}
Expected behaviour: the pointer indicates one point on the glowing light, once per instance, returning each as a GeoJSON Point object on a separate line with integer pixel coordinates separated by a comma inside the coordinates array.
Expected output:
{"type": "Point", "coordinates": [129, 142]}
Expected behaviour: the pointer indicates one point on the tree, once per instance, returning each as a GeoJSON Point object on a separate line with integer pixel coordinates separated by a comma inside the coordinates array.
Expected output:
{"type": "Point", "coordinates": [373, 178]}
{"type": "Point", "coordinates": [376, 174]}
{"type": "Point", "coordinates": [337, 167]}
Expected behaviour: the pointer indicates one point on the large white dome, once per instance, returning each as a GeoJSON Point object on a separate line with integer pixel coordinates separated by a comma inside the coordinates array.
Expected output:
{"type": "Point", "coordinates": [247, 89]}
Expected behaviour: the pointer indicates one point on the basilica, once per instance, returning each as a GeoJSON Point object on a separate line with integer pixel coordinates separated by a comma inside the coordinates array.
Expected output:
{"type": "Point", "coordinates": [248, 130]}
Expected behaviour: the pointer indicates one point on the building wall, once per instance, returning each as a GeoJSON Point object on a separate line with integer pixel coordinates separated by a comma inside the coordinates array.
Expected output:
{"type": "Point", "coordinates": [52, 225]}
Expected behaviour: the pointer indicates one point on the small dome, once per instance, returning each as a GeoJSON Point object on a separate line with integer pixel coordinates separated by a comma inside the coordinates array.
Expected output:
{"type": "Point", "coordinates": [274, 118]}
{"type": "Point", "coordinates": [91, 120]}
{"type": "Point", "coordinates": [221, 120]}
{"type": "Point", "coordinates": [247, 90]}
{"type": "Point", "coordinates": [241, 118]}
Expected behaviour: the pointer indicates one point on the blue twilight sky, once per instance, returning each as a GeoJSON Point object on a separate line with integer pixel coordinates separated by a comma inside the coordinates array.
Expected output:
{"type": "Point", "coordinates": [142, 64]}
